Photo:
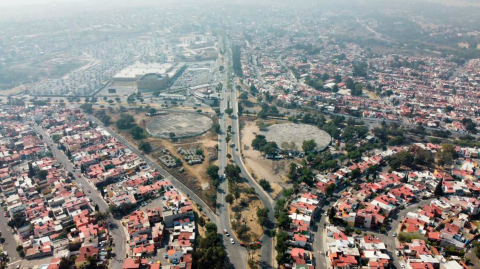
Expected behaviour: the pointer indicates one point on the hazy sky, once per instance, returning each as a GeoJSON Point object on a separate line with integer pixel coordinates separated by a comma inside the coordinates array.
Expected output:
{"type": "Point", "coordinates": [16, 3]}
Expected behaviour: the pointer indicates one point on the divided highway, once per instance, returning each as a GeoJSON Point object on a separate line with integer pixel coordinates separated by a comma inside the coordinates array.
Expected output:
{"type": "Point", "coordinates": [237, 254]}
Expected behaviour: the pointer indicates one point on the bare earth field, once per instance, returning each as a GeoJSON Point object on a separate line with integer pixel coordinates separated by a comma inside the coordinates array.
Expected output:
{"type": "Point", "coordinates": [273, 171]}
{"type": "Point", "coordinates": [12, 91]}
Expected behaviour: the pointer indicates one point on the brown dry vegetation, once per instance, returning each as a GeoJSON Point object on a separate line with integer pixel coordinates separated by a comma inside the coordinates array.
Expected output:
{"type": "Point", "coordinates": [245, 209]}
{"type": "Point", "coordinates": [274, 171]}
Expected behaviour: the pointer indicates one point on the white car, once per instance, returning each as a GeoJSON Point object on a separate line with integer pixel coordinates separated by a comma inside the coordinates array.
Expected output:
{"type": "Point", "coordinates": [232, 241]}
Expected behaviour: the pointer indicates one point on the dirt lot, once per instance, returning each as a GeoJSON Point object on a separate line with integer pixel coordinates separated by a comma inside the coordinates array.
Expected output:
{"type": "Point", "coordinates": [273, 171]}
{"type": "Point", "coordinates": [12, 91]}
{"type": "Point", "coordinates": [247, 213]}
{"type": "Point", "coordinates": [372, 95]}
{"type": "Point", "coordinates": [193, 176]}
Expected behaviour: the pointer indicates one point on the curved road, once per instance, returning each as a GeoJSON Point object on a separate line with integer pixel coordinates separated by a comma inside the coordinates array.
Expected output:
{"type": "Point", "coordinates": [267, 240]}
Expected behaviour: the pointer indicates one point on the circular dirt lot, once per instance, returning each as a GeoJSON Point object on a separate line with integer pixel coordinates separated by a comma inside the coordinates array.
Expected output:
{"type": "Point", "coordinates": [297, 133]}
{"type": "Point", "coordinates": [181, 124]}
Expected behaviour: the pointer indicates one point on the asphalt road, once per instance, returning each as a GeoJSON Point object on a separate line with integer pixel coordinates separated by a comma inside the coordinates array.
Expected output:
{"type": "Point", "coordinates": [319, 247]}
{"type": "Point", "coordinates": [237, 254]}
{"type": "Point", "coordinates": [267, 241]}
{"type": "Point", "coordinates": [118, 235]}
{"type": "Point", "coordinates": [9, 244]}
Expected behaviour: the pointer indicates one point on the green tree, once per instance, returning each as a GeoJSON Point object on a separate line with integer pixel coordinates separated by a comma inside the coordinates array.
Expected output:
{"type": "Point", "coordinates": [283, 220]}
{"type": "Point", "coordinates": [103, 117]}
{"type": "Point", "coordinates": [216, 128]}
{"type": "Point", "coordinates": [262, 214]}
{"type": "Point", "coordinates": [423, 157]}
{"type": "Point", "coordinates": [243, 96]}
{"type": "Point", "coordinates": [87, 108]}
{"type": "Point", "coordinates": [232, 172]}
{"type": "Point", "coordinates": [152, 111]}
{"type": "Point", "coordinates": [446, 154]}
{"type": "Point", "coordinates": [330, 189]}
{"type": "Point", "coordinates": [210, 252]}
{"type": "Point", "coordinates": [270, 148]}
{"type": "Point", "coordinates": [282, 247]}
{"type": "Point", "coordinates": [259, 141]}
{"type": "Point", "coordinates": [137, 133]}
{"type": "Point", "coordinates": [265, 184]}
{"type": "Point", "coordinates": [56, 138]}
{"type": "Point", "coordinates": [229, 198]}
{"type": "Point", "coordinates": [212, 171]}
{"type": "Point", "coordinates": [42, 174]}
{"type": "Point", "coordinates": [309, 145]}
{"type": "Point", "coordinates": [356, 173]}
{"type": "Point", "coordinates": [146, 147]}
{"type": "Point", "coordinates": [404, 158]}
{"type": "Point", "coordinates": [229, 111]}
{"type": "Point", "coordinates": [126, 121]}
{"type": "Point", "coordinates": [358, 89]}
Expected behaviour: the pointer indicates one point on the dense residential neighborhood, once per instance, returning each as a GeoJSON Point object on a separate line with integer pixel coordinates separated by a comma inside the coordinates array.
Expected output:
{"type": "Point", "coordinates": [240, 134]}
{"type": "Point", "coordinates": [51, 212]}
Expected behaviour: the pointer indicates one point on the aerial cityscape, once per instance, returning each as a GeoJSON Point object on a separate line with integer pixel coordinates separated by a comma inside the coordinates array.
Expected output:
{"type": "Point", "coordinates": [240, 134]}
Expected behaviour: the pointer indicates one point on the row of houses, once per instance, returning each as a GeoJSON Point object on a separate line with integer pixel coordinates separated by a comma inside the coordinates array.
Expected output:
{"type": "Point", "coordinates": [51, 215]}
{"type": "Point", "coordinates": [126, 180]}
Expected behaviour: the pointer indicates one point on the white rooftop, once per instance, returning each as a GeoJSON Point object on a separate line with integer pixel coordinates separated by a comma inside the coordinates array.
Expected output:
{"type": "Point", "coordinates": [139, 69]}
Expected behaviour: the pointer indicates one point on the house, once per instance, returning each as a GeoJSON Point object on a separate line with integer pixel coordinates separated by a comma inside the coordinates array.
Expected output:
{"type": "Point", "coordinates": [87, 254]}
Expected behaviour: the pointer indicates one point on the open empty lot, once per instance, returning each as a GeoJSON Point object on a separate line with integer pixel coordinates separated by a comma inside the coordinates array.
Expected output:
{"type": "Point", "coordinates": [183, 125]}
{"type": "Point", "coordinates": [297, 133]}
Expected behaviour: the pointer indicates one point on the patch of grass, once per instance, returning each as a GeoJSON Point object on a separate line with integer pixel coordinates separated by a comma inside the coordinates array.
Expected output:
{"type": "Point", "coordinates": [408, 237]}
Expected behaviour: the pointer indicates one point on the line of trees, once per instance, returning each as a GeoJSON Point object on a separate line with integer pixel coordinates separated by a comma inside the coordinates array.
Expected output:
{"type": "Point", "coordinates": [237, 63]}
